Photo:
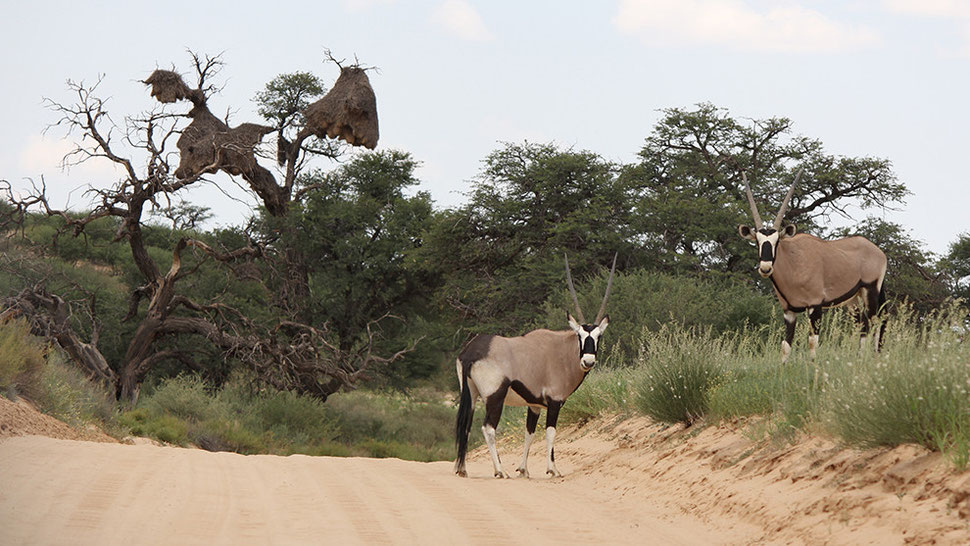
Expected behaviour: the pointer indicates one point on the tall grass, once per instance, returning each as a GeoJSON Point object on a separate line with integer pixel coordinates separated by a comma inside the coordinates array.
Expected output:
{"type": "Point", "coordinates": [21, 359]}
{"type": "Point", "coordinates": [916, 390]}
{"type": "Point", "coordinates": [679, 369]}
{"type": "Point", "coordinates": [246, 417]}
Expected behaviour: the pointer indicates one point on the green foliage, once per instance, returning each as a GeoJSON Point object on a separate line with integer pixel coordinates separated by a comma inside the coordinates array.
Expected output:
{"type": "Point", "coordinates": [67, 394]}
{"type": "Point", "coordinates": [916, 391]}
{"type": "Point", "coordinates": [681, 367]}
{"type": "Point", "coordinates": [53, 385]}
{"type": "Point", "coordinates": [21, 359]}
{"type": "Point", "coordinates": [165, 428]}
{"type": "Point", "coordinates": [500, 255]}
{"type": "Point", "coordinates": [286, 96]}
{"type": "Point", "coordinates": [244, 417]}
{"type": "Point", "coordinates": [643, 299]}
{"type": "Point", "coordinates": [690, 198]}
{"type": "Point", "coordinates": [603, 391]}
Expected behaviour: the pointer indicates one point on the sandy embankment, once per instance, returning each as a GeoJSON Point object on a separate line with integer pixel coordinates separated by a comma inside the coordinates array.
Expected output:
{"type": "Point", "coordinates": [628, 482]}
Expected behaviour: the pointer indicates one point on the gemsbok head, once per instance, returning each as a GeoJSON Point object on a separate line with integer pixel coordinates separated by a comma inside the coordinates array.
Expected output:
{"type": "Point", "coordinates": [811, 274]}
{"type": "Point", "coordinates": [538, 370]}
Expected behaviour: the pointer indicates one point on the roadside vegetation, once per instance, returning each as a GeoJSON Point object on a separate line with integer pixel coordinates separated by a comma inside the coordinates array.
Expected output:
{"type": "Point", "coordinates": [328, 324]}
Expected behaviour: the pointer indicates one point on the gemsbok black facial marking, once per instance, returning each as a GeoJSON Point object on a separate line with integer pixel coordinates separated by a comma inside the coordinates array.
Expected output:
{"type": "Point", "coordinates": [539, 370]}
{"type": "Point", "coordinates": [811, 274]}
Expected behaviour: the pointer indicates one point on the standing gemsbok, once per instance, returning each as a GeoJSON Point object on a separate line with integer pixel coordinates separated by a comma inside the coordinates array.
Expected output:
{"type": "Point", "coordinates": [811, 274]}
{"type": "Point", "coordinates": [539, 370]}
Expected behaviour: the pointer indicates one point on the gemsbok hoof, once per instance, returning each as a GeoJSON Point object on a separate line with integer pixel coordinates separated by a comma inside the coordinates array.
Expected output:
{"type": "Point", "coordinates": [554, 473]}
{"type": "Point", "coordinates": [501, 475]}
{"type": "Point", "coordinates": [523, 473]}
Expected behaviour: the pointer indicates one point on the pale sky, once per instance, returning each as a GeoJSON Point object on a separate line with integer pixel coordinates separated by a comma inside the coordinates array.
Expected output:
{"type": "Point", "coordinates": [881, 78]}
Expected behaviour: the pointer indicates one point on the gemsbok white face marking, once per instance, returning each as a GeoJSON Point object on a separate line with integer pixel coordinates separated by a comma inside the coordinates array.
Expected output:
{"type": "Point", "coordinates": [538, 370]}
{"type": "Point", "coordinates": [810, 274]}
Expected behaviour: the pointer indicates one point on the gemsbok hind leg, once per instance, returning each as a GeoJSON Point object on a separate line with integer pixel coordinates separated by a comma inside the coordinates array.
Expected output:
{"type": "Point", "coordinates": [493, 414]}
{"type": "Point", "coordinates": [870, 301]}
{"type": "Point", "coordinates": [815, 318]}
{"type": "Point", "coordinates": [531, 421]}
{"type": "Point", "coordinates": [552, 416]}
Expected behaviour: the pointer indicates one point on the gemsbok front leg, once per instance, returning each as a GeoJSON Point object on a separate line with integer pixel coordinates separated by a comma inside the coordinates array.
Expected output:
{"type": "Point", "coordinates": [789, 335]}
{"type": "Point", "coordinates": [531, 421]}
{"type": "Point", "coordinates": [552, 416]}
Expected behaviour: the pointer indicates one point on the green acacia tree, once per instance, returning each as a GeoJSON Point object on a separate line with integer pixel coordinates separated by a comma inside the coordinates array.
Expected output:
{"type": "Point", "coordinates": [501, 254]}
{"type": "Point", "coordinates": [690, 198]}
{"type": "Point", "coordinates": [358, 227]}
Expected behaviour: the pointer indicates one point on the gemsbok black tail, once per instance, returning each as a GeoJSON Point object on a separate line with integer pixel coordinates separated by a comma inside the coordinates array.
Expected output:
{"type": "Point", "coordinates": [463, 423]}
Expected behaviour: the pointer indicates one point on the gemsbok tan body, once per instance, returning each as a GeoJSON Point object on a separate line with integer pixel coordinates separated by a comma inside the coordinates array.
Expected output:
{"type": "Point", "coordinates": [538, 370]}
{"type": "Point", "coordinates": [812, 274]}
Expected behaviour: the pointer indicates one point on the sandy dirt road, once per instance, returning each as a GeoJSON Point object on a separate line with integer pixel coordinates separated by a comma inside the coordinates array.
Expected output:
{"type": "Point", "coordinates": [71, 492]}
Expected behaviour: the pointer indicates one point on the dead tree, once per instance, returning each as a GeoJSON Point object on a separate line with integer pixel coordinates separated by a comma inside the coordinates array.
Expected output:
{"type": "Point", "coordinates": [347, 112]}
{"type": "Point", "coordinates": [289, 355]}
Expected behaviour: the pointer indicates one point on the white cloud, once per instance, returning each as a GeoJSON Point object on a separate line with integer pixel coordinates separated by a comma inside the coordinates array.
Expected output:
{"type": "Point", "coordinates": [459, 18]}
{"type": "Point", "coordinates": [45, 156]}
{"type": "Point", "coordinates": [786, 28]}
{"type": "Point", "coordinates": [956, 12]}
{"type": "Point", "coordinates": [930, 8]}
{"type": "Point", "coordinates": [364, 5]}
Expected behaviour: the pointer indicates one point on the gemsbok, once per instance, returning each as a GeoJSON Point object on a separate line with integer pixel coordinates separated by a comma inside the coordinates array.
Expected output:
{"type": "Point", "coordinates": [811, 274]}
{"type": "Point", "coordinates": [538, 370]}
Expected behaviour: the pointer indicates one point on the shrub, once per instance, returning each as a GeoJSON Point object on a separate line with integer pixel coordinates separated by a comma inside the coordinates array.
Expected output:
{"type": "Point", "coordinates": [679, 370]}
{"type": "Point", "coordinates": [66, 393]}
{"type": "Point", "coordinates": [917, 390]}
{"type": "Point", "coordinates": [185, 397]}
{"type": "Point", "coordinates": [21, 359]}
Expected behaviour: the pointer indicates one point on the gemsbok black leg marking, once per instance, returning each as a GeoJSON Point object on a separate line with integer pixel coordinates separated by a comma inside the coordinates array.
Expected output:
{"type": "Point", "coordinates": [552, 417]}
{"type": "Point", "coordinates": [531, 420]}
{"type": "Point", "coordinates": [786, 345]}
{"type": "Point", "coordinates": [494, 404]}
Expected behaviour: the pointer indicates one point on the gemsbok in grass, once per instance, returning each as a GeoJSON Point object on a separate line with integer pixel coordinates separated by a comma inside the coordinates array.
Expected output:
{"type": "Point", "coordinates": [811, 274]}
{"type": "Point", "coordinates": [538, 370]}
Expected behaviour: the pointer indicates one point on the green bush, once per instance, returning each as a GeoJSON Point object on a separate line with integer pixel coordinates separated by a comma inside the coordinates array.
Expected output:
{"type": "Point", "coordinates": [603, 391]}
{"type": "Point", "coordinates": [66, 393]}
{"type": "Point", "coordinates": [166, 428]}
{"type": "Point", "coordinates": [679, 369]}
{"type": "Point", "coordinates": [21, 359]}
{"type": "Point", "coordinates": [917, 390]}
{"type": "Point", "coordinates": [186, 397]}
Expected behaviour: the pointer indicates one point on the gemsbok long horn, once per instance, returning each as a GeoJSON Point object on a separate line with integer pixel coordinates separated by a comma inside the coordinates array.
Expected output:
{"type": "Point", "coordinates": [572, 290]}
{"type": "Point", "coordinates": [786, 202]}
{"type": "Point", "coordinates": [754, 206]}
{"type": "Point", "coordinates": [609, 285]}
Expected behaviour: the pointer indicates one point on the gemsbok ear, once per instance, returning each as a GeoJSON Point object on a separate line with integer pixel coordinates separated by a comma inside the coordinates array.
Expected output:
{"type": "Point", "coordinates": [747, 233]}
{"type": "Point", "coordinates": [789, 230]}
{"type": "Point", "coordinates": [572, 322]}
{"type": "Point", "coordinates": [604, 323]}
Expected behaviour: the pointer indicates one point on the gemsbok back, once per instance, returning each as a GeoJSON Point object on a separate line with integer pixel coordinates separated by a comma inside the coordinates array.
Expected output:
{"type": "Point", "coordinates": [811, 274]}
{"type": "Point", "coordinates": [538, 370]}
